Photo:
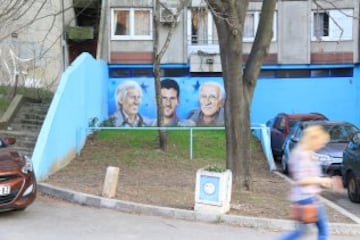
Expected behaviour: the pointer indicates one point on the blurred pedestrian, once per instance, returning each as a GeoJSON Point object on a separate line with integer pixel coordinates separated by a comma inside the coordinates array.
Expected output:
{"type": "Point", "coordinates": [308, 180]}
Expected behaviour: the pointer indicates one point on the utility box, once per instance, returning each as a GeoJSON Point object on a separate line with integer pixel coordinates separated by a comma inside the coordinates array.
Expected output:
{"type": "Point", "coordinates": [213, 191]}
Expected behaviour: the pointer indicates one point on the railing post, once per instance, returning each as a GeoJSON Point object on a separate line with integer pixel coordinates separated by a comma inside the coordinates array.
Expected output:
{"type": "Point", "coordinates": [191, 143]}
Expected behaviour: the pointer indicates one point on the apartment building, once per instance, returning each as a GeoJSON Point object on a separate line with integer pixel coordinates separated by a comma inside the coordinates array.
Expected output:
{"type": "Point", "coordinates": [305, 32]}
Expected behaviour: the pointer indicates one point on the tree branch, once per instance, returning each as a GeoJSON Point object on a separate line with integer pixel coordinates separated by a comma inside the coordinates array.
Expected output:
{"type": "Point", "coordinates": [262, 39]}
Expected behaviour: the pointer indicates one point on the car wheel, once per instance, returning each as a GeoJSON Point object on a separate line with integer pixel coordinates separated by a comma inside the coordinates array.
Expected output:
{"type": "Point", "coordinates": [353, 189]}
{"type": "Point", "coordinates": [284, 165]}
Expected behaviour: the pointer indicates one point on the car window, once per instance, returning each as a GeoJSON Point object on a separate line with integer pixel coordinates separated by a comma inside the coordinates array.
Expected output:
{"type": "Point", "coordinates": [278, 121]}
{"type": "Point", "coordinates": [292, 122]}
{"type": "Point", "coordinates": [297, 134]}
{"type": "Point", "coordinates": [282, 123]}
{"type": "Point", "coordinates": [340, 133]}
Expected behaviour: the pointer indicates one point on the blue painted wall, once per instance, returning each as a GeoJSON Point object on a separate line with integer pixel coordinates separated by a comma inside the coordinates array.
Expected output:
{"type": "Point", "coordinates": [336, 97]}
{"type": "Point", "coordinates": [80, 96]}
{"type": "Point", "coordinates": [86, 91]}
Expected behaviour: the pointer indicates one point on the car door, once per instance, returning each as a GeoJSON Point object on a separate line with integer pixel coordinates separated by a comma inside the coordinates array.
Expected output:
{"type": "Point", "coordinates": [352, 155]}
{"type": "Point", "coordinates": [277, 134]}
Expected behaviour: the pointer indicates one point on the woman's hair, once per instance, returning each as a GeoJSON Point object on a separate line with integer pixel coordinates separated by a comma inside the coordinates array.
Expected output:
{"type": "Point", "coordinates": [314, 134]}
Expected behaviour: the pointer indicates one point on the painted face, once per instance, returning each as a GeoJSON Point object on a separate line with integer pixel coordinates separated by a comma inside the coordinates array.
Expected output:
{"type": "Point", "coordinates": [131, 102]}
{"type": "Point", "coordinates": [169, 101]}
{"type": "Point", "coordinates": [210, 101]}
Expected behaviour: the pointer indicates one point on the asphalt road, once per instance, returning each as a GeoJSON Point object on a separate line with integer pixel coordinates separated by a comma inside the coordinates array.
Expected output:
{"type": "Point", "coordinates": [49, 219]}
{"type": "Point", "coordinates": [341, 199]}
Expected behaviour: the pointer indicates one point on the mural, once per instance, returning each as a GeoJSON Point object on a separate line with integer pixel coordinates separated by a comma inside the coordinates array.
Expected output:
{"type": "Point", "coordinates": [187, 101]}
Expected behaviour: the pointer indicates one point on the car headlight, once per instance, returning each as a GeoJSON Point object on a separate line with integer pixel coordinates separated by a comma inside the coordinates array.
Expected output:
{"type": "Point", "coordinates": [323, 159]}
{"type": "Point", "coordinates": [28, 167]}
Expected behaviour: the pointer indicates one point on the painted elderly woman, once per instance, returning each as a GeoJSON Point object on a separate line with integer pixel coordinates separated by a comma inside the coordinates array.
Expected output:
{"type": "Point", "coordinates": [128, 98]}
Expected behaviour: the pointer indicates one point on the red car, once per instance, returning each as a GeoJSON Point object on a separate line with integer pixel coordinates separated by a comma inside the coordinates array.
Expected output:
{"type": "Point", "coordinates": [17, 178]}
{"type": "Point", "coordinates": [280, 127]}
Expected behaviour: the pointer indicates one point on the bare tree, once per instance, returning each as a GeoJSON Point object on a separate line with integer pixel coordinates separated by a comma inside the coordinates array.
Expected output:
{"type": "Point", "coordinates": [158, 53]}
{"type": "Point", "coordinates": [30, 48]}
{"type": "Point", "coordinates": [239, 77]}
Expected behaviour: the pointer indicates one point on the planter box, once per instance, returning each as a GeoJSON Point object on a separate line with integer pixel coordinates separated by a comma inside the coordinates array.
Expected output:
{"type": "Point", "coordinates": [213, 191]}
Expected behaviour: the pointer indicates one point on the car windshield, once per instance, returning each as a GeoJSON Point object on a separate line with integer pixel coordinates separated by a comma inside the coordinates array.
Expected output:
{"type": "Point", "coordinates": [340, 133]}
{"type": "Point", "coordinates": [292, 122]}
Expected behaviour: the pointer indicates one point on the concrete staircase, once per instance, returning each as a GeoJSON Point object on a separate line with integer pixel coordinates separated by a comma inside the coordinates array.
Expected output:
{"type": "Point", "coordinates": [25, 124]}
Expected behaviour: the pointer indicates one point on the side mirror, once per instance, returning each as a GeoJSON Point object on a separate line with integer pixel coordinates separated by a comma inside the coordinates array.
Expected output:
{"type": "Point", "coordinates": [10, 140]}
{"type": "Point", "coordinates": [294, 139]}
{"type": "Point", "coordinates": [356, 138]}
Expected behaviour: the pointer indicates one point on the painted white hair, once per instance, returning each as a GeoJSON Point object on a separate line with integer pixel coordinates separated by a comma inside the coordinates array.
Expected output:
{"type": "Point", "coordinates": [123, 89]}
{"type": "Point", "coordinates": [216, 84]}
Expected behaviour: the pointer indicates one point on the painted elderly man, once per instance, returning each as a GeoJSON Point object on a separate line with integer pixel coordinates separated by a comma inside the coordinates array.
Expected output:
{"type": "Point", "coordinates": [128, 98]}
{"type": "Point", "coordinates": [211, 112]}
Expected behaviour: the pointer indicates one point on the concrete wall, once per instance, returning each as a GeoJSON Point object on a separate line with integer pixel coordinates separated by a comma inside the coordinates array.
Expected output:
{"type": "Point", "coordinates": [293, 27]}
{"type": "Point", "coordinates": [35, 39]}
{"type": "Point", "coordinates": [80, 96]}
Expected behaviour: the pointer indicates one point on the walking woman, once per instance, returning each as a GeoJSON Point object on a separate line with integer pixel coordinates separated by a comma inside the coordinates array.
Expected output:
{"type": "Point", "coordinates": [306, 173]}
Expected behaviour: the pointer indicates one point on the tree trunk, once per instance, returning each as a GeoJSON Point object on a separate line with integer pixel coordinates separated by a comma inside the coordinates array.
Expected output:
{"type": "Point", "coordinates": [157, 56]}
{"type": "Point", "coordinates": [229, 17]}
{"type": "Point", "coordinates": [157, 74]}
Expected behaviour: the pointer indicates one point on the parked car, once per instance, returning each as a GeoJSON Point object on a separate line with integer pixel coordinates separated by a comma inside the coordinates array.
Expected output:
{"type": "Point", "coordinates": [17, 178]}
{"type": "Point", "coordinates": [280, 127]}
{"type": "Point", "coordinates": [351, 168]}
{"type": "Point", "coordinates": [330, 156]}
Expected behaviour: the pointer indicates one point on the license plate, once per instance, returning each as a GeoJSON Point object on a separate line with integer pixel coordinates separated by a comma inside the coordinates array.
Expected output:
{"type": "Point", "coordinates": [4, 190]}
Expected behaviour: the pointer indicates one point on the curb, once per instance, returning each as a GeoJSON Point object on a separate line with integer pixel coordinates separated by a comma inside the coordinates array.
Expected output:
{"type": "Point", "coordinates": [182, 214]}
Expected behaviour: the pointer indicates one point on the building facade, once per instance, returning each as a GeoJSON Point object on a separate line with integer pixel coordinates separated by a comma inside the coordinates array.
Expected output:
{"type": "Point", "coordinates": [305, 32]}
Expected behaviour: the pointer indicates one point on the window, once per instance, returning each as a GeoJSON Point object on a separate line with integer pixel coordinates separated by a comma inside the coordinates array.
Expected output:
{"type": "Point", "coordinates": [131, 24]}
{"type": "Point", "coordinates": [202, 30]}
{"type": "Point", "coordinates": [332, 25]}
{"type": "Point", "coordinates": [250, 26]}
{"type": "Point", "coordinates": [251, 23]}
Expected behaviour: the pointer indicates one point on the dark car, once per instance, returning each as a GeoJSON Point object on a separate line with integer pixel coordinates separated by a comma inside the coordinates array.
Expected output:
{"type": "Point", "coordinates": [351, 168]}
{"type": "Point", "coordinates": [331, 156]}
{"type": "Point", "coordinates": [280, 127]}
{"type": "Point", "coordinates": [17, 178]}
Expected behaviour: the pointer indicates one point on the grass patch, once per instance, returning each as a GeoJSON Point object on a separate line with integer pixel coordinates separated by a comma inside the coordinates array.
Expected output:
{"type": "Point", "coordinates": [206, 144]}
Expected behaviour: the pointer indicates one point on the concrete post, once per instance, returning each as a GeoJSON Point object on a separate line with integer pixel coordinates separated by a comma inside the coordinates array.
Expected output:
{"type": "Point", "coordinates": [110, 182]}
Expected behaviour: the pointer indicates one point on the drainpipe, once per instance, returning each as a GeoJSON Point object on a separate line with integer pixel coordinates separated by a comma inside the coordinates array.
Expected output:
{"type": "Point", "coordinates": [64, 42]}
{"type": "Point", "coordinates": [103, 41]}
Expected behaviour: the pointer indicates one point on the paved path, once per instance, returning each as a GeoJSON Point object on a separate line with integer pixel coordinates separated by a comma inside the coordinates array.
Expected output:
{"type": "Point", "coordinates": [189, 215]}
{"type": "Point", "coordinates": [49, 219]}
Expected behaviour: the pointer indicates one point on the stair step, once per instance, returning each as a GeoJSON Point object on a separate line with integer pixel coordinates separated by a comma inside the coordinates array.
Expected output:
{"type": "Point", "coordinates": [25, 125]}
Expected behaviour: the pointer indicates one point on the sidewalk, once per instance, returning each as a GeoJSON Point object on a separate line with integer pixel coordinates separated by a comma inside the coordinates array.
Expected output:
{"type": "Point", "coordinates": [267, 225]}
{"type": "Point", "coordinates": [53, 219]}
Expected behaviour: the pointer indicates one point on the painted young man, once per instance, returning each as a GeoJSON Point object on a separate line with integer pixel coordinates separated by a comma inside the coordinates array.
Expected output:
{"type": "Point", "coordinates": [170, 93]}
